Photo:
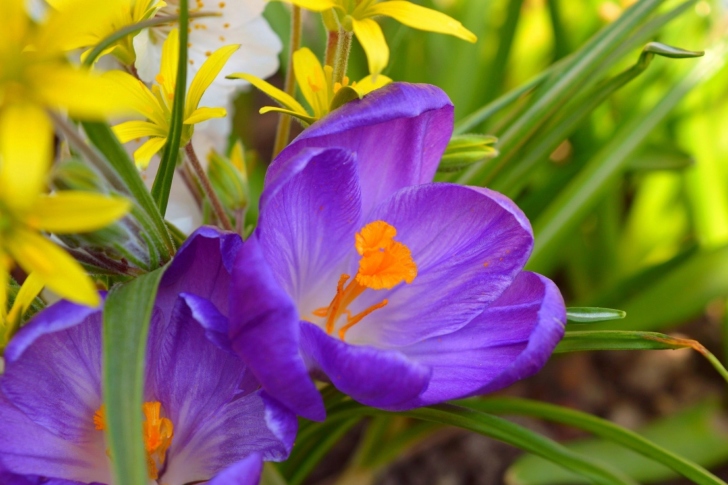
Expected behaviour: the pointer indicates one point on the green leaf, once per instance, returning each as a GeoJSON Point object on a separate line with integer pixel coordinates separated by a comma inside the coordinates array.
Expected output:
{"type": "Point", "coordinates": [127, 311]}
{"type": "Point", "coordinates": [690, 437]}
{"type": "Point", "coordinates": [599, 427]}
{"type": "Point", "coordinates": [584, 190]}
{"type": "Point", "coordinates": [587, 314]}
{"type": "Point", "coordinates": [105, 141]}
{"type": "Point", "coordinates": [560, 86]}
{"type": "Point", "coordinates": [344, 95]}
{"type": "Point", "coordinates": [163, 181]}
{"type": "Point", "coordinates": [501, 430]}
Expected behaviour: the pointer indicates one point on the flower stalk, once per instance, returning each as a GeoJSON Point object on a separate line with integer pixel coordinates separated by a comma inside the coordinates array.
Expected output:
{"type": "Point", "coordinates": [207, 188]}
{"type": "Point", "coordinates": [283, 130]}
{"type": "Point", "coordinates": [341, 61]}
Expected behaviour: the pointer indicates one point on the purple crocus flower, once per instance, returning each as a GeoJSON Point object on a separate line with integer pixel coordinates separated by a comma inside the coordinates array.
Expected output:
{"type": "Point", "coordinates": [205, 416]}
{"type": "Point", "coordinates": [399, 291]}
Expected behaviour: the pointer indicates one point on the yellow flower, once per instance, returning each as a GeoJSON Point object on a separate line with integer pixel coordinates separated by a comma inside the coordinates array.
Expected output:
{"type": "Point", "coordinates": [156, 104]}
{"type": "Point", "coordinates": [35, 77]}
{"type": "Point", "coordinates": [23, 300]}
{"type": "Point", "coordinates": [25, 211]}
{"type": "Point", "coordinates": [126, 13]}
{"type": "Point", "coordinates": [317, 86]}
{"type": "Point", "coordinates": [357, 16]}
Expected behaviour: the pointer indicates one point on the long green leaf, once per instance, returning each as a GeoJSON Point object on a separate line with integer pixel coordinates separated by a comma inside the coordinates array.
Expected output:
{"type": "Point", "coordinates": [163, 181]}
{"type": "Point", "coordinates": [599, 427]}
{"type": "Point", "coordinates": [127, 311]}
{"type": "Point", "coordinates": [512, 179]}
{"type": "Point", "coordinates": [105, 141]}
{"type": "Point", "coordinates": [593, 314]}
{"type": "Point", "coordinates": [580, 341]}
{"type": "Point", "coordinates": [584, 191]}
{"type": "Point", "coordinates": [561, 84]}
{"type": "Point", "coordinates": [501, 430]}
{"type": "Point", "coordinates": [691, 435]}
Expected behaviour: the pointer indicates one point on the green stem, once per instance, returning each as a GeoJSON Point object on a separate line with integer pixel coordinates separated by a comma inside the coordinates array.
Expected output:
{"type": "Point", "coordinates": [343, 48]}
{"type": "Point", "coordinates": [163, 181]}
{"type": "Point", "coordinates": [283, 130]}
{"type": "Point", "coordinates": [217, 207]}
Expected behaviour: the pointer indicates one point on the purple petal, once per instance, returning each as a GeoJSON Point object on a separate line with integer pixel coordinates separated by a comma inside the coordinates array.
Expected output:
{"type": "Point", "coordinates": [264, 332]}
{"type": "Point", "coordinates": [231, 433]}
{"type": "Point", "coordinates": [512, 339]}
{"type": "Point", "coordinates": [308, 223]}
{"type": "Point", "coordinates": [216, 421]}
{"type": "Point", "coordinates": [27, 448]}
{"type": "Point", "coordinates": [245, 472]}
{"type": "Point", "coordinates": [468, 245]}
{"type": "Point", "coordinates": [375, 377]}
{"type": "Point", "coordinates": [398, 133]}
{"type": "Point", "coordinates": [201, 267]}
{"type": "Point", "coordinates": [53, 370]}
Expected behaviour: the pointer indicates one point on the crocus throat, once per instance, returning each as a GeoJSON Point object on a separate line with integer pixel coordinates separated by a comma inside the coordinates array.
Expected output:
{"type": "Point", "coordinates": [384, 264]}
{"type": "Point", "coordinates": [157, 431]}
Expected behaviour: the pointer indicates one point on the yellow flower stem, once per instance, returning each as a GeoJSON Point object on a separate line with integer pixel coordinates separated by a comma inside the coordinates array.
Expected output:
{"type": "Point", "coordinates": [217, 208]}
{"type": "Point", "coordinates": [283, 131]}
{"type": "Point", "coordinates": [342, 55]}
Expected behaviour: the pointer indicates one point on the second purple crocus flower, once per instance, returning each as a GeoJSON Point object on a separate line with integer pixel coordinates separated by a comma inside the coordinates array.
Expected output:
{"type": "Point", "coordinates": [205, 417]}
{"type": "Point", "coordinates": [399, 291]}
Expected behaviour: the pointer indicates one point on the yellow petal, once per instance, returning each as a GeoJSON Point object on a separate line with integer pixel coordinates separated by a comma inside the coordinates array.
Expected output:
{"type": "Point", "coordinates": [281, 97]}
{"type": "Point", "coordinates": [372, 41]}
{"type": "Point", "coordinates": [144, 153]}
{"type": "Point", "coordinates": [55, 267]}
{"type": "Point", "coordinates": [26, 137]}
{"type": "Point", "coordinates": [72, 211]}
{"type": "Point", "coordinates": [167, 76]}
{"type": "Point", "coordinates": [206, 75]}
{"type": "Point", "coordinates": [421, 18]}
{"type": "Point", "coordinates": [84, 94]}
{"type": "Point", "coordinates": [78, 23]}
{"type": "Point", "coordinates": [15, 22]}
{"type": "Point", "coordinates": [367, 85]}
{"type": "Point", "coordinates": [307, 120]}
{"type": "Point", "coordinates": [27, 293]}
{"type": "Point", "coordinates": [138, 97]}
{"type": "Point", "coordinates": [314, 5]}
{"type": "Point", "coordinates": [204, 114]}
{"type": "Point", "coordinates": [311, 81]}
{"type": "Point", "coordinates": [133, 130]}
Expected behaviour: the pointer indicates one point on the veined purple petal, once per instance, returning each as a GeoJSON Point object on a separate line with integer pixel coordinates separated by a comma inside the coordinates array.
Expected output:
{"type": "Point", "coordinates": [398, 133]}
{"type": "Point", "coordinates": [57, 356]}
{"type": "Point", "coordinates": [201, 267]}
{"type": "Point", "coordinates": [512, 339]}
{"type": "Point", "coordinates": [468, 247]}
{"type": "Point", "coordinates": [375, 377]}
{"type": "Point", "coordinates": [307, 227]}
{"type": "Point", "coordinates": [265, 333]}
{"type": "Point", "coordinates": [28, 448]}
{"type": "Point", "coordinates": [245, 472]}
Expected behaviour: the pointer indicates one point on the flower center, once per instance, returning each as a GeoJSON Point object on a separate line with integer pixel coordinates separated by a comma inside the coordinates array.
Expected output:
{"type": "Point", "coordinates": [157, 431]}
{"type": "Point", "coordinates": [384, 264]}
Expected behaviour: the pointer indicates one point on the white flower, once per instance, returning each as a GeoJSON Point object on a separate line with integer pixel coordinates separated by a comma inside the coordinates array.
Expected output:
{"type": "Point", "coordinates": [240, 22]}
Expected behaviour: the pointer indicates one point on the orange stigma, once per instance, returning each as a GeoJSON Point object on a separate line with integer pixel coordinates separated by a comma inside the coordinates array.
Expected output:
{"type": "Point", "coordinates": [157, 431]}
{"type": "Point", "coordinates": [384, 264]}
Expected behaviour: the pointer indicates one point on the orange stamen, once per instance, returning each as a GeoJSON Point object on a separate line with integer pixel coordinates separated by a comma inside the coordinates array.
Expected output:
{"type": "Point", "coordinates": [157, 432]}
{"type": "Point", "coordinates": [385, 263]}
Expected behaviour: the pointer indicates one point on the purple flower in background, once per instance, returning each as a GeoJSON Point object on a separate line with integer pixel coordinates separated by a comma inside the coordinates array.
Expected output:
{"type": "Point", "coordinates": [205, 417]}
{"type": "Point", "coordinates": [399, 291]}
